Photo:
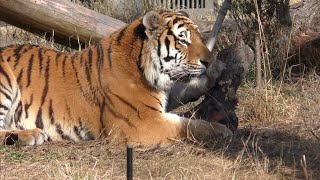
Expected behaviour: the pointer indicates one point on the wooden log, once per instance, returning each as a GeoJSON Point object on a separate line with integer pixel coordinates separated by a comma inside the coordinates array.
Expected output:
{"type": "Point", "coordinates": [66, 20]}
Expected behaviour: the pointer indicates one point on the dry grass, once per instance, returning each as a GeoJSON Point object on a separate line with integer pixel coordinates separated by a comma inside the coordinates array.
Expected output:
{"type": "Point", "coordinates": [279, 126]}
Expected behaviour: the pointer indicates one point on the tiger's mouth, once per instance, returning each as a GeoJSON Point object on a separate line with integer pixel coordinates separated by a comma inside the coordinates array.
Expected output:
{"type": "Point", "coordinates": [186, 77]}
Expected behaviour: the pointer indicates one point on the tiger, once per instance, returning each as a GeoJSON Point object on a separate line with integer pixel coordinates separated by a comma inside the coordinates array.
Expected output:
{"type": "Point", "coordinates": [117, 88]}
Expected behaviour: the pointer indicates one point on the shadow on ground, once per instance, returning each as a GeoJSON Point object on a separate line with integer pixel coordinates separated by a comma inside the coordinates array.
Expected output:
{"type": "Point", "coordinates": [279, 148]}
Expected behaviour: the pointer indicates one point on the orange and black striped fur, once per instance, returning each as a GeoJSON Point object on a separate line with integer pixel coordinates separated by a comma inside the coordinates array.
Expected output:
{"type": "Point", "coordinates": [117, 88]}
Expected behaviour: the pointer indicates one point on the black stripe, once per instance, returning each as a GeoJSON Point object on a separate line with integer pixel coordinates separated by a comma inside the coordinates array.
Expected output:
{"type": "Point", "coordinates": [51, 115]}
{"type": "Point", "coordinates": [180, 25]}
{"type": "Point", "coordinates": [159, 102]}
{"type": "Point", "coordinates": [77, 131]}
{"type": "Point", "coordinates": [90, 57]}
{"type": "Point", "coordinates": [140, 32]}
{"type": "Point", "coordinates": [87, 136]}
{"type": "Point", "coordinates": [120, 116]}
{"type": "Point", "coordinates": [29, 71]}
{"type": "Point", "coordinates": [159, 48]}
{"type": "Point", "coordinates": [40, 55]}
{"type": "Point", "coordinates": [170, 33]}
{"type": "Point", "coordinates": [109, 51]}
{"type": "Point", "coordinates": [17, 55]}
{"type": "Point", "coordinates": [18, 113]}
{"type": "Point", "coordinates": [161, 66]}
{"type": "Point", "coordinates": [139, 58]}
{"type": "Point", "coordinates": [85, 95]}
{"type": "Point", "coordinates": [167, 43]}
{"type": "Point", "coordinates": [4, 107]}
{"type": "Point", "coordinates": [57, 57]}
{"type": "Point", "coordinates": [121, 34]}
{"type": "Point", "coordinates": [179, 19]}
{"type": "Point", "coordinates": [175, 21]}
{"type": "Point", "coordinates": [185, 42]}
{"type": "Point", "coordinates": [64, 65]}
{"type": "Point", "coordinates": [153, 108]}
{"type": "Point", "coordinates": [101, 52]}
{"type": "Point", "coordinates": [74, 58]}
{"type": "Point", "coordinates": [88, 68]}
{"type": "Point", "coordinates": [167, 59]}
{"type": "Point", "coordinates": [5, 87]}
{"type": "Point", "coordinates": [27, 106]}
{"type": "Point", "coordinates": [128, 104]}
{"type": "Point", "coordinates": [20, 76]}
{"type": "Point", "coordinates": [60, 131]}
{"type": "Point", "coordinates": [39, 121]}
{"type": "Point", "coordinates": [6, 76]}
{"type": "Point", "coordinates": [81, 58]}
{"type": "Point", "coordinates": [99, 69]}
{"type": "Point", "coordinates": [102, 109]}
{"type": "Point", "coordinates": [46, 86]}
{"type": "Point", "coordinates": [6, 95]}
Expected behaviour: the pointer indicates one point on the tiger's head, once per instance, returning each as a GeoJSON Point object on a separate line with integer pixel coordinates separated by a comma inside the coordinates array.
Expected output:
{"type": "Point", "coordinates": [173, 50]}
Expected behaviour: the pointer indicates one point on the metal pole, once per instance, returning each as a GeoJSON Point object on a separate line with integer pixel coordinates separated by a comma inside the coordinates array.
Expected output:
{"type": "Point", "coordinates": [129, 162]}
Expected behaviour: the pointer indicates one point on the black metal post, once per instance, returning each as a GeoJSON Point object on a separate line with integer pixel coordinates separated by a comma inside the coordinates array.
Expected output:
{"type": "Point", "coordinates": [129, 162]}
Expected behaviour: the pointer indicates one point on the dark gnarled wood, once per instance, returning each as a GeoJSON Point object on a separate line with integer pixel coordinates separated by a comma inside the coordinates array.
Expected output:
{"type": "Point", "coordinates": [220, 103]}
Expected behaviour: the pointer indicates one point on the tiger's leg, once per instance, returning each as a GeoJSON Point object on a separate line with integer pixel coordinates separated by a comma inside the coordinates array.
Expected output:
{"type": "Point", "coordinates": [198, 129]}
{"type": "Point", "coordinates": [8, 92]}
{"type": "Point", "coordinates": [11, 110]}
{"type": "Point", "coordinates": [27, 137]}
{"type": "Point", "coordinates": [167, 127]}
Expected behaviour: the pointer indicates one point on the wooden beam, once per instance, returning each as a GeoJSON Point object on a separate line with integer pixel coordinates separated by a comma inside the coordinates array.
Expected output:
{"type": "Point", "coordinates": [66, 20]}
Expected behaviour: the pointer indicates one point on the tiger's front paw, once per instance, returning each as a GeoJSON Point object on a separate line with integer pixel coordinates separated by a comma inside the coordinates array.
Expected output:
{"type": "Point", "coordinates": [203, 130]}
{"type": "Point", "coordinates": [222, 130]}
{"type": "Point", "coordinates": [28, 137]}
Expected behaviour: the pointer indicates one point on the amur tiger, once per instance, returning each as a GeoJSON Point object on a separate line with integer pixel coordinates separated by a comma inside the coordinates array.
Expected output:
{"type": "Point", "coordinates": [117, 88]}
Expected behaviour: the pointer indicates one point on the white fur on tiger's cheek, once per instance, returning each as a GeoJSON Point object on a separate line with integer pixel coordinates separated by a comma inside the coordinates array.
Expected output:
{"type": "Point", "coordinates": [154, 76]}
{"type": "Point", "coordinates": [7, 103]}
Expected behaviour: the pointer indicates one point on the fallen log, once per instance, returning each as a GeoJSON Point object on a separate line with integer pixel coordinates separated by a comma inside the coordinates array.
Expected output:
{"type": "Point", "coordinates": [67, 21]}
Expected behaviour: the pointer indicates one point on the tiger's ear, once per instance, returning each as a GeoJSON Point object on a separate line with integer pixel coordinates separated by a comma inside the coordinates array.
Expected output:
{"type": "Point", "coordinates": [151, 21]}
{"type": "Point", "coordinates": [183, 13]}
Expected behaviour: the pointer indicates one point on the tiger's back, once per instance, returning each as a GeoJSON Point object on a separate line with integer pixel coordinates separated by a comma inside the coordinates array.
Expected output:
{"type": "Point", "coordinates": [117, 88]}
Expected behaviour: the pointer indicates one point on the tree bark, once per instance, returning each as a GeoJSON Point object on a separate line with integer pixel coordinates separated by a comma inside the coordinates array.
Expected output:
{"type": "Point", "coordinates": [305, 47]}
{"type": "Point", "coordinates": [66, 20]}
{"type": "Point", "coordinates": [305, 16]}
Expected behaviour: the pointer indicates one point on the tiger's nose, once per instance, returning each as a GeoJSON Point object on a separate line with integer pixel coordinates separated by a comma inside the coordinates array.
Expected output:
{"type": "Point", "coordinates": [206, 62]}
